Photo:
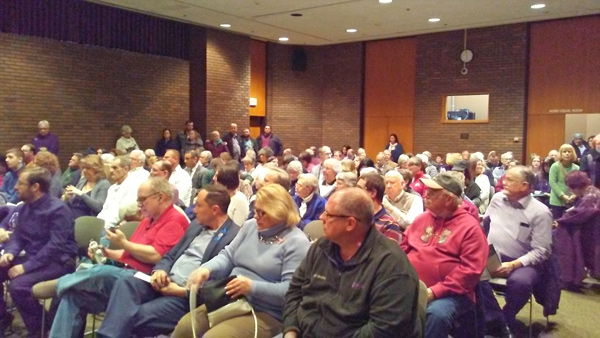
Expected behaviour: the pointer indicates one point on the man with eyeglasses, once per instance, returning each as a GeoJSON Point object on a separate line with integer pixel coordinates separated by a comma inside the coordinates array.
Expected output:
{"type": "Point", "coordinates": [448, 249]}
{"type": "Point", "coordinates": [88, 291]}
{"type": "Point", "coordinates": [354, 281]}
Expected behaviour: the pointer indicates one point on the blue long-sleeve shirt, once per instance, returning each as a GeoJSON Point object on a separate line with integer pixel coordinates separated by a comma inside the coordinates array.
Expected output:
{"type": "Point", "coordinates": [8, 185]}
{"type": "Point", "coordinates": [270, 263]}
{"type": "Point", "coordinates": [45, 230]}
{"type": "Point", "coordinates": [48, 141]}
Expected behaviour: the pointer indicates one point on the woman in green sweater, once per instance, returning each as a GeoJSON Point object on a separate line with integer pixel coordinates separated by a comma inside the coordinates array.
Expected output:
{"type": "Point", "coordinates": [560, 196]}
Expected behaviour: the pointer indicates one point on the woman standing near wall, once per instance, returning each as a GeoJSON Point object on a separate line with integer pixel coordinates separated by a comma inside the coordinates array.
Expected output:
{"type": "Point", "coordinates": [560, 196]}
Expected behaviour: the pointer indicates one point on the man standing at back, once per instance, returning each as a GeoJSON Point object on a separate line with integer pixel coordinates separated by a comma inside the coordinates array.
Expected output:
{"type": "Point", "coordinates": [234, 143]}
{"type": "Point", "coordinates": [354, 282]}
{"type": "Point", "coordinates": [44, 231]}
{"type": "Point", "coordinates": [268, 139]}
{"type": "Point", "coordinates": [45, 140]}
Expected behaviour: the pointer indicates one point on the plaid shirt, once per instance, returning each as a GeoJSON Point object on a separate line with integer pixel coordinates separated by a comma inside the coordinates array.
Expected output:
{"type": "Point", "coordinates": [387, 225]}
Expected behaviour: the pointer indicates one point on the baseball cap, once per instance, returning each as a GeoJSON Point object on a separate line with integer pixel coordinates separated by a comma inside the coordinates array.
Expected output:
{"type": "Point", "coordinates": [444, 181]}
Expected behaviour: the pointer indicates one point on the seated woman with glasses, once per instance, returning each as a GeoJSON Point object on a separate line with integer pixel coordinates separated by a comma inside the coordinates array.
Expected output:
{"type": "Point", "coordinates": [263, 256]}
{"type": "Point", "coordinates": [87, 198]}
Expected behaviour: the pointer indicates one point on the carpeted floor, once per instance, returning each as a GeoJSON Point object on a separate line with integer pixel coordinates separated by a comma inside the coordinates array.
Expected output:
{"type": "Point", "coordinates": [576, 317]}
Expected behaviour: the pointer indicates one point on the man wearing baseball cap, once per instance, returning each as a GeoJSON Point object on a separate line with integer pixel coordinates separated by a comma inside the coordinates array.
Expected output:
{"type": "Point", "coordinates": [449, 251]}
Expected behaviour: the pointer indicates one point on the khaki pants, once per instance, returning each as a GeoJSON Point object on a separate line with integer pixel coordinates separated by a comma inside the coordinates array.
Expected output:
{"type": "Point", "coordinates": [238, 327]}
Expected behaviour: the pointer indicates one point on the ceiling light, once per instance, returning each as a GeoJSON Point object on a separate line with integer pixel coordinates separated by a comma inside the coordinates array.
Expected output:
{"type": "Point", "coordinates": [538, 6]}
{"type": "Point", "coordinates": [225, 25]}
{"type": "Point", "coordinates": [283, 38]}
{"type": "Point", "coordinates": [434, 20]}
{"type": "Point", "coordinates": [351, 30]}
{"type": "Point", "coordinates": [385, 1]}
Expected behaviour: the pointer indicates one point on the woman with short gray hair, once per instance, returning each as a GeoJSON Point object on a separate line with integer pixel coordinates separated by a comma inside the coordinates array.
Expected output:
{"type": "Point", "coordinates": [310, 204]}
{"type": "Point", "coordinates": [126, 143]}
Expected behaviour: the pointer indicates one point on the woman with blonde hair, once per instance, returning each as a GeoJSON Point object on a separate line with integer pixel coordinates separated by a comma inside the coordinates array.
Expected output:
{"type": "Point", "coordinates": [87, 198]}
{"type": "Point", "coordinates": [349, 165]}
{"type": "Point", "coordinates": [263, 257]}
{"type": "Point", "coordinates": [560, 195]}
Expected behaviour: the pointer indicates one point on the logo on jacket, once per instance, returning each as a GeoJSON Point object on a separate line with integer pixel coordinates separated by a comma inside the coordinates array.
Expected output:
{"type": "Point", "coordinates": [444, 236]}
{"type": "Point", "coordinates": [427, 235]}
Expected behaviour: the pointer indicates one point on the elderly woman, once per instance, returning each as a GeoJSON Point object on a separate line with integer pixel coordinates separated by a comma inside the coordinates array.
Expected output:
{"type": "Point", "coordinates": [559, 195]}
{"type": "Point", "coordinates": [310, 204]}
{"type": "Point", "coordinates": [48, 160]}
{"type": "Point", "coordinates": [345, 180]}
{"type": "Point", "coordinates": [403, 161]}
{"type": "Point", "coordinates": [126, 143]}
{"type": "Point", "coordinates": [87, 198]}
{"type": "Point", "coordinates": [294, 169]}
{"type": "Point", "coordinates": [263, 257]}
{"type": "Point", "coordinates": [331, 167]}
{"type": "Point", "coordinates": [577, 234]}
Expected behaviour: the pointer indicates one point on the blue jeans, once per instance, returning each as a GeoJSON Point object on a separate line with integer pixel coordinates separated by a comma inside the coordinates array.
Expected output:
{"type": "Point", "coordinates": [83, 292]}
{"type": "Point", "coordinates": [443, 312]}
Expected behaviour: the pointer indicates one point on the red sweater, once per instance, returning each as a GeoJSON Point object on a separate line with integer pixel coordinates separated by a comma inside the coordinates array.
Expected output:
{"type": "Point", "coordinates": [417, 185]}
{"type": "Point", "coordinates": [449, 255]}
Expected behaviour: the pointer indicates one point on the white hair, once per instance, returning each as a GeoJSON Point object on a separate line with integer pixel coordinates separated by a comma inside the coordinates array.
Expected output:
{"type": "Point", "coordinates": [335, 164]}
{"type": "Point", "coordinates": [207, 154]}
{"type": "Point", "coordinates": [424, 158]}
{"type": "Point", "coordinates": [367, 170]}
{"type": "Point", "coordinates": [140, 154]}
{"type": "Point", "coordinates": [149, 152]}
{"type": "Point", "coordinates": [43, 123]}
{"type": "Point", "coordinates": [295, 165]}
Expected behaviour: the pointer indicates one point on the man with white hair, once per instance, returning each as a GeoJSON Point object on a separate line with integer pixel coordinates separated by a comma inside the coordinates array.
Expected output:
{"type": "Point", "coordinates": [294, 168]}
{"type": "Point", "coordinates": [331, 167]}
{"type": "Point", "coordinates": [123, 192]}
{"type": "Point", "coordinates": [431, 168]}
{"type": "Point", "coordinates": [45, 140]}
{"type": "Point", "coordinates": [498, 172]}
{"type": "Point", "coordinates": [410, 204]}
{"type": "Point", "coordinates": [137, 172]}
{"type": "Point", "coordinates": [324, 154]}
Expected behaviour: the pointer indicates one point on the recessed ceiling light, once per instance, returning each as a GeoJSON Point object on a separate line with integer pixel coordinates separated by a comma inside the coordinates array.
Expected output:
{"type": "Point", "coordinates": [538, 6]}
{"type": "Point", "coordinates": [283, 38]}
{"type": "Point", "coordinates": [385, 1]}
{"type": "Point", "coordinates": [434, 20]}
{"type": "Point", "coordinates": [351, 30]}
{"type": "Point", "coordinates": [225, 25]}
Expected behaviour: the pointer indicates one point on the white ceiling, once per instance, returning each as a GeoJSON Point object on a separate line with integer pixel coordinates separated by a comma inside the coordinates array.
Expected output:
{"type": "Point", "coordinates": [325, 21]}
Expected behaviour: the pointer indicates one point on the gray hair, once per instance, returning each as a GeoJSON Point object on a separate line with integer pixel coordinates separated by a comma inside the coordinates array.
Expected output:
{"type": "Point", "coordinates": [160, 185]}
{"type": "Point", "coordinates": [308, 180]}
{"type": "Point", "coordinates": [149, 152]}
{"type": "Point", "coordinates": [295, 166]}
{"type": "Point", "coordinates": [207, 154]}
{"type": "Point", "coordinates": [526, 174]}
{"type": "Point", "coordinates": [43, 123]}
{"type": "Point", "coordinates": [140, 154]}
{"type": "Point", "coordinates": [123, 161]}
{"type": "Point", "coordinates": [348, 178]}
{"type": "Point", "coordinates": [335, 164]}
{"type": "Point", "coordinates": [126, 129]}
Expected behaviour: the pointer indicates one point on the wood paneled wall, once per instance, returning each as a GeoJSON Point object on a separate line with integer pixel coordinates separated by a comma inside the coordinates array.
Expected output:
{"type": "Point", "coordinates": [389, 93]}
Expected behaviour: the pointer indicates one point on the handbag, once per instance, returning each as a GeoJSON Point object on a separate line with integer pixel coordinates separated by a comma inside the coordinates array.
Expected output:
{"type": "Point", "coordinates": [219, 305]}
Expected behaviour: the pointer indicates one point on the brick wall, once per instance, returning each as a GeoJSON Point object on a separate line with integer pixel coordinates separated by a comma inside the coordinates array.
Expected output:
{"type": "Point", "coordinates": [321, 105]}
{"type": "Point", "coordinates": [228, 80]}
{"type": "Point", "coordinates": [87, 93]}
{"type": "Point", "coordinates": [498, 67]}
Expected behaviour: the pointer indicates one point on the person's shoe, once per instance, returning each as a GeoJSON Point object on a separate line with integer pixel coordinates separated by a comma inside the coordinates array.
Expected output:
{"type": "Point", "coordinates": [45, 290]}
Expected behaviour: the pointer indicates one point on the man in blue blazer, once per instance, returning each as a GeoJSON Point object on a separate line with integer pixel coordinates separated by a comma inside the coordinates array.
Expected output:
{"type": "Point", "coordinates": [151, 309]}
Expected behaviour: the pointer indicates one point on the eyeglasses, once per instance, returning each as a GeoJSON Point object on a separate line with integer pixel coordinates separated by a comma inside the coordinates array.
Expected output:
{"type": "Point", "coordinates": [259, 212]}
{"type": "Point", "coordinates": [328, 215]}
{"type": "Point", "coordinates": [141, 200]}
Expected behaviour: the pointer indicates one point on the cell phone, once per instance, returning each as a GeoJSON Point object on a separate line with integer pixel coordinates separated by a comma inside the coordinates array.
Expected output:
{"type": "Point", "coordinates": [112, 228]}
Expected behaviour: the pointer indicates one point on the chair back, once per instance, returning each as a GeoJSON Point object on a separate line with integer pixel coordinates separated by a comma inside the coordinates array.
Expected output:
{"type": "Point", "coordinates": [129, 228]}
{"type": "Point", "coordinates": [422, 308]}
{"type": "Point", "coordinates": [86, 229]}
{"type": "Point", "coordinates": [314, 230]}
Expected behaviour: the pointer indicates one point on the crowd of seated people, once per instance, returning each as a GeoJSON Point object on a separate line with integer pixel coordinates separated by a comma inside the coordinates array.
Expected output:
{"type": "Point", "coordinates": [388, 225]}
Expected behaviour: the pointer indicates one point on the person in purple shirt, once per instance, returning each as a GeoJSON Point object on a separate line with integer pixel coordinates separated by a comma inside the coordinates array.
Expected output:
{"type": "Point", "coordinates": [45, 139]}
{"type": "Point", "coordinates": [44, 231]}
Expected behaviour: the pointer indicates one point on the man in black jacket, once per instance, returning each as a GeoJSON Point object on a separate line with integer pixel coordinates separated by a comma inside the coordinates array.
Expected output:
{"type": "Point", "coordinates": [354, 282]}
{"type": "Point", "coordinates": [151, 309]}
{"type": "Point", "coordinates": [234, 143]}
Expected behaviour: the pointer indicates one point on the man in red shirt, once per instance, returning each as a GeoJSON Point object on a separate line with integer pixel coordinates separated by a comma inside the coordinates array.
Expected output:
{"type": "Point", "coordinates": [449, 251]}
{"type": "Point", "coordinates": [87, 291]}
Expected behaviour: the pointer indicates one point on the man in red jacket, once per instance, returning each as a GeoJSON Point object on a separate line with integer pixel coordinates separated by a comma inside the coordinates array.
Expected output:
{"type": "Point", "coordinates": [449, 251]}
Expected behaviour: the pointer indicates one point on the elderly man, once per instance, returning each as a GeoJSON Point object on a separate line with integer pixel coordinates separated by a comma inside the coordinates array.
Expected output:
{"type": "Point", "coordinates": [521, 232]}
{"type": "Point", "coordinates": [590, 162]}
{"type": "Point", "coordinates": [294, 169]}
{"type": "Point", "coordinates": [234, 143]}
{"type": "Point", "coordinates": [122, 192]}
{"type": "Point", "coordinates": [327, 185]}
{"type": "Point", "coordinates": [498, 172]}
{"type": "Point", "coordinates": [45, 234]}
{"type": "Point", "coordinates": [374, 185]}
{"type": "Point", "coordinates": [14, 162]}
{"type": "Point", "coordinates": [28, 153]}
{"type": "Point", "coordinates": [151, 309]}
{"type": "Point", "coordinates": [268, 139]}
{"type": "Point", "coordinates": [73, 172]}
{"type": "Point", "coordinates": [179, 177]}
{"type": "Point", "coordinates": [354, 282]}
{"type": "Point", "coordinates": [411, 205]}
{"type": "Point", "coordinates": [215, 145]}
{"type": "Point", "coordinates": [449, 251]}
{"type": "Point", "coordinates": [324, 154]}
{"type": "Point", "coordinates": [579, 145]}
{"type": "Point", "coordinates": [137, 159]}
{"type": "Point", "coordinates": [88, 290]}
{"type": "Point", "coordinates": [45, 140]}
{"type": "Point", "coordinates": [310, 204]}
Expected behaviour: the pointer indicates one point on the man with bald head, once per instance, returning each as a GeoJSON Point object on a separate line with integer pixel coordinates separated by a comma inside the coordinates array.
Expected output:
{"type": "Point", "coordinates": [354, 281]}
{"type": "Point", "coordinates": [590, 162]}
